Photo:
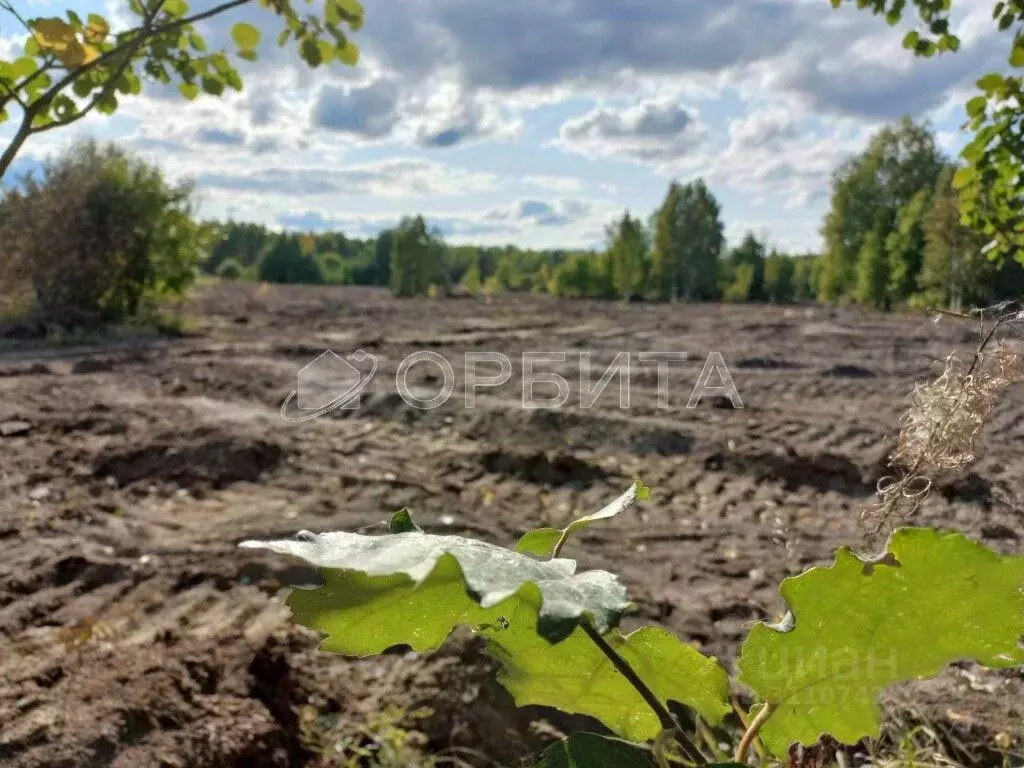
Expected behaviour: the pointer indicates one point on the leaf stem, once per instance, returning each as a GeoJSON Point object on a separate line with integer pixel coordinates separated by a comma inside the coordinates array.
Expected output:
{"type": "Point", "coordinates": [743, 749]}
{"type": "Point", "coordinates": [668, 722]}
{"type": "Point", "coordinates": [560, 543]}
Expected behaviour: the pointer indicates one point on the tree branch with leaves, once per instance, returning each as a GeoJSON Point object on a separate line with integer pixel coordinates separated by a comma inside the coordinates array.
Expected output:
{"type": "Point", "coordinates": [71, 66]}
{"type": "Point", "coordinates": [991, 183]}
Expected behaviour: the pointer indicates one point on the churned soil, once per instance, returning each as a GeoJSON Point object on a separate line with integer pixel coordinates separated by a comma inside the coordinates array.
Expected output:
{"type": "Point", "coordinates": [134, 633]}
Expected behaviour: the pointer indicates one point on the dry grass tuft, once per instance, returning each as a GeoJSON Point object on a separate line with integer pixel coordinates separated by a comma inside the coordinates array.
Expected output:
{"type": "Point", "coordinates": [939, 429]}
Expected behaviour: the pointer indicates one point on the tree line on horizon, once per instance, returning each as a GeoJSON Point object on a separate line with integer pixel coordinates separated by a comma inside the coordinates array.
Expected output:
{"type": "Point", "coordinates": [892, 237]}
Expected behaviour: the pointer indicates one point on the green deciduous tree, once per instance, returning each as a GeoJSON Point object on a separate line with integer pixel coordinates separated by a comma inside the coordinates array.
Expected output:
{"type": "Point", "coordinates": [417, 258]}
{"type": "Point", "coordinates": [873, 271]}
{"type": "Point", "coordinates": [473, 280]}
{"type": "Point", "coordinates": [868, 192]}
{"type": "Point", "coordinates": [743, 272]}
{"type": "Point", "coordinates": [688, 242]}
{"type": "Point", "coordinates": [581, 275]}
{"type": "Point", "coordinates": [230, 269]}
{"type": "Point", "coordinates": [69, 67]}
{"type": "Point", "coordinates": [628, 256]}
{"type": "Point", "coordinates": [288, 262]}
{"type": "Point", "coordinates": [100, 235]}
{"type": "Point", "coordinates": [241, 241]}
{"type": "Point", "coordinates": [703, 244]}
{"type": "Point", "coordinates": [668, 238]}
{"type": "Point", "coordinates": [904, 245]}
{"type": "Point", "coordinates": [992, 181]}
{"type": "Point", "coordinates": [805, 277]}
{"type": "Point", "coordinates": [955, 270]}
{"type": "Point", "coordinates": [779, 272]}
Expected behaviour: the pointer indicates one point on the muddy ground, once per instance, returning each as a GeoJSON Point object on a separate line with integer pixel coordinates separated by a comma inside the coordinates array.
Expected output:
{"type": "Point", "coordinates": [134, 633]}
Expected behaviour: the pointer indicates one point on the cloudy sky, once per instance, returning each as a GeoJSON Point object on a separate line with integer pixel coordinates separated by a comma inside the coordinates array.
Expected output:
{"type": "Point", "coordinates": [537, 121]}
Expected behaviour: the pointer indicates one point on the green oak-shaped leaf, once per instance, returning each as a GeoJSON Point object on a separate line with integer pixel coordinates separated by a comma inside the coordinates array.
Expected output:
{"type": "Point", "coordinates": [589, 750]}
{"type": "Point", "coordinates": [856, 627]}
{"type": "Point", "coordinates": [575, 676]}
{"type": "Point", "coordinates": [414, 588]}
{"type": "Point", "coordinates": [542, 541]}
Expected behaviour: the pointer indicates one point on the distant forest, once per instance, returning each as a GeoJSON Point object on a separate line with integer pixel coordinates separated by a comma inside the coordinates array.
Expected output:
{"type": "Point", "coordinates": [892, 235]}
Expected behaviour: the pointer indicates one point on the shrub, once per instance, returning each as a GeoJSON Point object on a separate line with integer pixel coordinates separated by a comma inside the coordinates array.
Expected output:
{"type": "Point", "coordinates": [231, 269]}
{"type": "Point", "coordinates": [333, 267]}
{"type": "Point", "coordinates": [286, 262]}
{"type": "Point", "coordinates": [101, 236]}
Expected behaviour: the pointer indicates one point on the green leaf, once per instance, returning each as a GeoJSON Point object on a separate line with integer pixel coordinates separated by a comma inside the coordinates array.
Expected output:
{"type": "Point", "coordinates": [212, 85]}
{"type": "Point", "coordinates": [332, 12]}
{"type": "Point", "coordinates": [310, 52]}
{"type": "Point", "coordinates": [977, 105]}
{"type": "Point", "coordinates": [175, 7]}
{"type": "Point", "coordinates": [352, 8]}
{"type": "Point", "coordinates": [402, 522]}
{"type": "Point", "coordinates": [349, 54]}
{"type": "Point", "coordinates": [248, 55]}
{"type": "Point", "coordinates": [189, 90]}
{"type": "Point", "coordinates": [196, 41]}
{"type": "Point", "coordinates": [540, 542]}
{"type": "Point", "coordinates": [991, 82]}
{"type": "Point", "coordinates": [129, 84]}
{"type": "Point", "coordinates": [576, 677]}
{"type": "Point", "coordinates": [589, 750]}
{"type": "Point", "coordinates": [911, 39]}
{"type": "Point", "coordinates": [543, 540]}
{"type": "Point", "coordinates": [859, 626]}
{"type": "Point", "coordinates": [82, 87]}
{"type": "Point", "coordinates": [107, 105]}
{"type": "Point", "coordinates": [964, 176]}
{"type": "Point", "coordinates": [246, 36]}
{"type": "Point", "coordinates": [1017, 55]}
{"type": "Point", "coordinates": [972, 153]}
{"type": "Point", "coordinates": [415, 588]}
{"type": "Point", "coordinates": [23, 67]}
{"type": "Point", "coordinates": [221, 63]}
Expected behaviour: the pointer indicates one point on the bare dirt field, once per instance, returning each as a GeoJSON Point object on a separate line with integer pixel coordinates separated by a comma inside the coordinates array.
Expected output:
{"type": "Point", "coordinates": [134, 633]}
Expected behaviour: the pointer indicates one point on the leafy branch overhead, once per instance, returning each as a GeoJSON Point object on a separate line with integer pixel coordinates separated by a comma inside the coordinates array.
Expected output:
{"type": "Point", "coordinates": [991, 183]}
{"type": "Point", "coordinates": [72, 66]}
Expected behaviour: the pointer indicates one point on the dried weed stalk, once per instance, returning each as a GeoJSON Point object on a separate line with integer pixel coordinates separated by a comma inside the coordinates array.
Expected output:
{"type": "Point", "coordinates": [939, 429]}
